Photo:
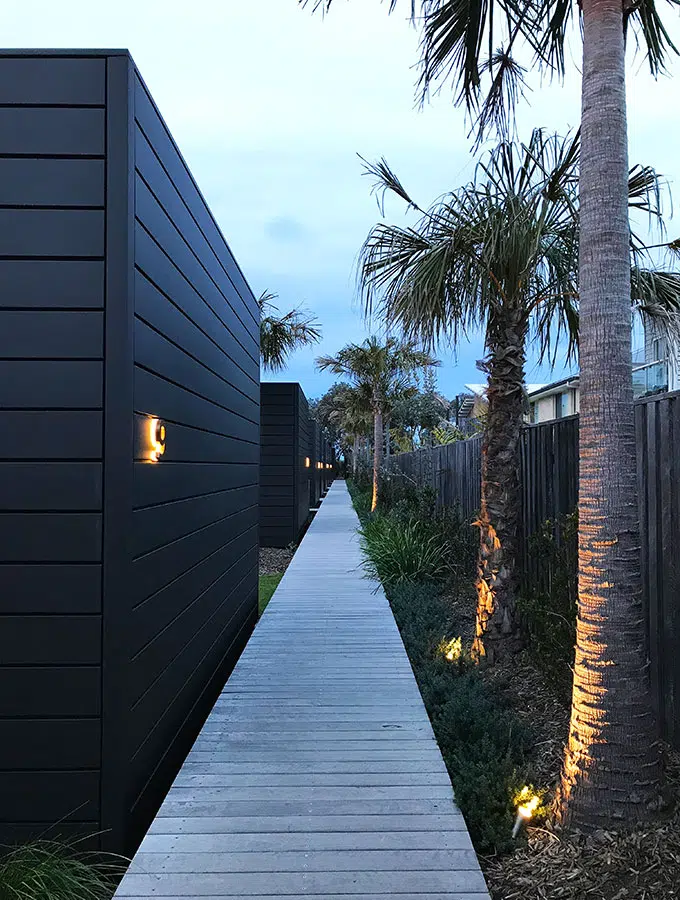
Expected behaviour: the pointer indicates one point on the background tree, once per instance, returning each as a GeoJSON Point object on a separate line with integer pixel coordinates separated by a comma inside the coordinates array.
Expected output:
{"type": "Point", "coordinates": [280, 335]}
{"type": "Point", "coordinates": [416, 417]}
{"type": "Point", "coordinates": [474, 44]}
{"type": "Point", "coordinates": [500, 253]}
{"type": "Point", "coordinates": [383, 371]}
{"type": "Point", "coordinates": [345, 413]}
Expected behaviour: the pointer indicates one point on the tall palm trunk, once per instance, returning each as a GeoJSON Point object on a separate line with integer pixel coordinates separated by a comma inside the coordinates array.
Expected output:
{"type": "Point", "coordinates": [355, 455]}
{"type": "Point", "coordinates": [611, 768]}
{"type": "Point", "coordinates": [377, 452]}
{"type": "Point", "coordinates": [497, 627]}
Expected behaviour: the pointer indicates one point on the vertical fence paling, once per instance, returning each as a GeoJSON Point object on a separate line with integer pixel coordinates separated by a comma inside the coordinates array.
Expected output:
{"type": "Point", "coordinates": [549, 476]}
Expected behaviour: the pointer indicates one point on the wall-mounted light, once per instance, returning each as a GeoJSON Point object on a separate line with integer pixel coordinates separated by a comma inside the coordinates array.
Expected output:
{"type": "Point", "coordinates": [156, 439]}
{"type": "Point", "coordinates": [306, 462]}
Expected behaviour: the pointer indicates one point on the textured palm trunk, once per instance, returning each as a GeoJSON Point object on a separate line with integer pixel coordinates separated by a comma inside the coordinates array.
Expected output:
{"type": "Point", "coordinates": [611, 771]}
{"type": "Point", "coordinates": [377, 453]}
{"type": "Point", "coordinates": [497, 632]}
{"type": "Point", "coordinates": [355, 455]}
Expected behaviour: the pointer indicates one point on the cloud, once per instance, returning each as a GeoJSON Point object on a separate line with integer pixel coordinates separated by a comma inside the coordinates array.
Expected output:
{"type": "Point", "coordinates": [286, 230]}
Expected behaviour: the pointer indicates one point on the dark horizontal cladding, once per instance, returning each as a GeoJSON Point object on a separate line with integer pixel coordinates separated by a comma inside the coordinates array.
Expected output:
{"type": "Point", "coordinates": [168, 742]}
{"type": "Point", "coordinates": [164, 231]}
{"type": "Point", "coordinates": [51, 182]}
{"type": "Point", "coordinates": [188, 633]}
{"type": "Point", "coordinates": [171, 160]}
{"type": "Point", "coordinates": [52, 232]}
{"type": "Point", "coordinates": [187, 444]}
{"type": "Point", "coordinates": [158, 568]}
{"type": "Point", "coordinates": [185, 319]}
{"type": "Point", "coordinates": [157, 395]}
{"type": "Point", "coordinates": [52, 79]}
{"type": "Point", "coordinates": [50, 691]}
{"type": "Point", "coordinates": [50, 640]}
{"type": "Point", "coordinates": [156, 526]}
{"type": "Point", "coordinates": [51, 334]}
{"type": "Point", "coordinates": [50, 588]}
{"type": "Point", "coordinates": [52, 131]}
{"type": "Point", "coordinates": [178, 210]}
{"type": "Point", "coordinates": [50, 744]}
{"type": "Point", "coordinates": [72, 284]}
{"type": "Point", "coordinates": [51, 384]}
{"type": "Point", "coordinates": [168, 360]}
{"type": "Point", "coordinates": [172, 601]}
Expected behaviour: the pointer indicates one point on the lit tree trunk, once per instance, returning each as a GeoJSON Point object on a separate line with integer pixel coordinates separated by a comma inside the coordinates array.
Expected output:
{"type": "Point", "coordinates": [611, 770]}
{"type": "Point", "coordinates": [355, 455]}
{"type": "Point", "coordinates": [497, 632]}
{"type": "Point", "coordinates": [377, 452]}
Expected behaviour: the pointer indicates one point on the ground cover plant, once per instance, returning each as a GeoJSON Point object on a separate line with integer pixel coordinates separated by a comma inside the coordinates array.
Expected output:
{"type": "Point", "coordinates": [486, 747]}
{"type": "Point", "coordinates": [503, 728]}
{"type": "Point", "coordinates": [48, 870]}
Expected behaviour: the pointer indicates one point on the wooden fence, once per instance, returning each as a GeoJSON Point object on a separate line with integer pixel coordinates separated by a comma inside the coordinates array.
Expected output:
{"type": "Point", "coordinates": [549, 473]}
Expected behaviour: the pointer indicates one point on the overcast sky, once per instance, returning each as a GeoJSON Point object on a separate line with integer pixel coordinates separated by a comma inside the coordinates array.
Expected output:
{"type": "Point", "coordinates": [270, 106]}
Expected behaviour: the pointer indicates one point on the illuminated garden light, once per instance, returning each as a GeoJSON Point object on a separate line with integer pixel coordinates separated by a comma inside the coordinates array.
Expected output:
{"type": "Point", "coordinates": [528, 804]}
{"type": "Point", "coordinates": [452, 649]}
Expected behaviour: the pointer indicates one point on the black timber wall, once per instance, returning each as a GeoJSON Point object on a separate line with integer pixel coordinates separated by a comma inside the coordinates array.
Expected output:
{"type": "Point", "coordinates": [127, 587]}
{"type": "Point", "coordinates": [284, 474]}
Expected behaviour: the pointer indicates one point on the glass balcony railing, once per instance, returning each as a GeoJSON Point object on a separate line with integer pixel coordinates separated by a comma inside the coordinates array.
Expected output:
{"type": "Point", "coordinates": [651, 378]}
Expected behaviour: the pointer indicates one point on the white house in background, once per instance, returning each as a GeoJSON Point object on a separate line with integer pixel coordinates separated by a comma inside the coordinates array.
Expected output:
{"type": "Point", "coordinates": [553, 401]}
{"type": "Point", "coordinates": [656, 369]}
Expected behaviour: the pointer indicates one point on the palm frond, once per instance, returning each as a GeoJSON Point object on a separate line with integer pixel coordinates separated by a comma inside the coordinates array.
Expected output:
{"type": "Point", "coordinates": [650, 32]}
{"type": "Point", "coordinates": [385, 181]}
{"type": "Point", "coordinates": [281, 335]}
{"type": "Point", "coordinates": [508, 85]}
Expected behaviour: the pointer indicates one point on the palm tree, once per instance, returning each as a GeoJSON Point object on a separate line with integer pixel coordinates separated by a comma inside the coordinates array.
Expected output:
{"type": "Point", "coordinates": [604, 758]}
{"type": "Point", "coordinates": [346, 412]}
{"type": "Point", "coordinates": [383, 371]}
{"type": "Point", "coordinates": [281, 335]}
{"type": "Point", "coordinates": [502, 252]}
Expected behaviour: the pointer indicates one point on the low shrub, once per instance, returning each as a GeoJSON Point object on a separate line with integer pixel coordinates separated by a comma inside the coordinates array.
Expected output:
{"type": "Point", "coordinates": [484, 744]}
{"type": "Point", "coordinates": [47, 870]}
{"type": "Point", "coordinates": [404, 551]}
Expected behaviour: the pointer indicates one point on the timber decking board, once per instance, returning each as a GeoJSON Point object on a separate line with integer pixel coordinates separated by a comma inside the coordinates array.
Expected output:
{"type": "Point", "coordinates": [317, 772]}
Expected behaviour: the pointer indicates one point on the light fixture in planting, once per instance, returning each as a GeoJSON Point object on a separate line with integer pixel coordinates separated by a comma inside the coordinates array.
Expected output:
{"type": "Point", "coordinates": [528, 802]}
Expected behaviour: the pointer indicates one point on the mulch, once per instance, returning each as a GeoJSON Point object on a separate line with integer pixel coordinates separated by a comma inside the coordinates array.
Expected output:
{"type": "Point", "coordinates": [636, 864]}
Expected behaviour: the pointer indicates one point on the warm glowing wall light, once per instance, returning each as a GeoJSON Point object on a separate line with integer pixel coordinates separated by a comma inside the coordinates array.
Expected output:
{"type": "Point", "coordinates": [306, 462]}
{"type": "Point", "coordinates": [156, 439]}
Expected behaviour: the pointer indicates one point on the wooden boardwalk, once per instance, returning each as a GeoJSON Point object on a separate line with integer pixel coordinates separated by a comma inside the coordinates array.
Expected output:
{"type": "Point", "coordinates": [317, 773]}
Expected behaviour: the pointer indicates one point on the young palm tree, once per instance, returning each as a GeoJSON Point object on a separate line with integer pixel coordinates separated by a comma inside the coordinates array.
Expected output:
{"type": "Point", "coordinates": [281, 335]}
{"type": "Point", "coordinates": [383, 371]}
{"type": "Point", "coordinates": [354, 417]}
{"type": "Point", "coordinates": [502, 252]}
{"type": "Point", "coordinates": [474, 42]}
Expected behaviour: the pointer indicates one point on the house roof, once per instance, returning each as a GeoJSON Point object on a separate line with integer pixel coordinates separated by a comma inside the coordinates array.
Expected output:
{"type": "Point", "coordinates": [535, 392]}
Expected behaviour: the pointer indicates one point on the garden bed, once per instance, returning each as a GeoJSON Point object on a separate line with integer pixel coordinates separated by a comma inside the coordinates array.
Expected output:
{"type": "Point", "coordinates": [503, 728]}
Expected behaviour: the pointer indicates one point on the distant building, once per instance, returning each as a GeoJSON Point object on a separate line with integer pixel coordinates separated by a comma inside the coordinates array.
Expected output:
{"type": "Point", "coordinates": [553, 401]}
{"type": "Point", "coordinates": [656, 369]}
{"type": "Point", "coordinates": [656, 365]}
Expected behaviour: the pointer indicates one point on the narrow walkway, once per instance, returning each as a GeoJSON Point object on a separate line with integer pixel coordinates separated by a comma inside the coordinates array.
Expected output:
{"type": "Point", "coordinates": [317, 773]}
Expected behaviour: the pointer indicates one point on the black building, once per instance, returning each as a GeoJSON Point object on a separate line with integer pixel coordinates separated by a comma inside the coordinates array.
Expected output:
{"type": "Point", "coordinates": [129, 443]}
{"type": "Point", "coordinates": [286, 467]}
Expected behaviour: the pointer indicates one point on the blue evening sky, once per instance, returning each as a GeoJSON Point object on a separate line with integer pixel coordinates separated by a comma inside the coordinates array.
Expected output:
{"type": "Point", "coordinates": [270, 106]}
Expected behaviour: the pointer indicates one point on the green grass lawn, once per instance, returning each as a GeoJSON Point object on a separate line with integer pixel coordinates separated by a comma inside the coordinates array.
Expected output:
{"type": "Point", "coordinates": [268, 584]}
